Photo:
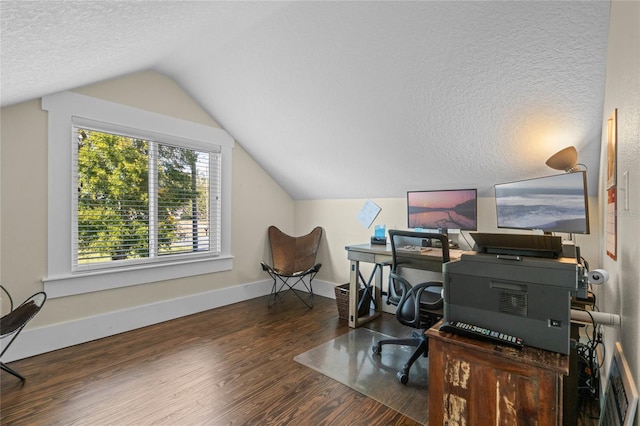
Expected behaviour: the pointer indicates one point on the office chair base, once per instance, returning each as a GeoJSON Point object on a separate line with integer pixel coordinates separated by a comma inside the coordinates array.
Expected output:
{"type": "Point", "coordinates": [418, 340]}
{"type": "Point", "coordinates": [9, 370]}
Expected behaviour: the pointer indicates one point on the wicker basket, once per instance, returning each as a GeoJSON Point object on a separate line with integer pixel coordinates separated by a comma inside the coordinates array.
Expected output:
{"type": "Point", "coordinates": [342, 300]}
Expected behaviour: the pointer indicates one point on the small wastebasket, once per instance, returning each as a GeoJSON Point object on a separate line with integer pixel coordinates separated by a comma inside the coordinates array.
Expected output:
{"type": "Point", "coordinates": [342, 300]}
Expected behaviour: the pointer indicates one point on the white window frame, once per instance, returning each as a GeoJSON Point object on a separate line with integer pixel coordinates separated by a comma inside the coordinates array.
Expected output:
{"type": "Point", "coordinates": [66, 108]}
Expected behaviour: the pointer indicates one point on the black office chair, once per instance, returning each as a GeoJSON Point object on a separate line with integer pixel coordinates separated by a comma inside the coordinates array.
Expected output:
{"type": "Point", "coordinates": [418, 306]}
{"type": "Point", "coordinates": [16, 319]}
{"type": "Point", "coordinates": [294, 259]}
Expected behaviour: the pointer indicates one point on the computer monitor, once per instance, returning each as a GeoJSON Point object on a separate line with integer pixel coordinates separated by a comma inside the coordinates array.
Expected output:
{"type": "Point", "coordinates": [556, 203]}
{"type": "Point", "coordinates": [443, 210]}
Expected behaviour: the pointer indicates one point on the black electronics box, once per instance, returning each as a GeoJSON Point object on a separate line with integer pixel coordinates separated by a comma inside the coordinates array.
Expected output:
{"type": "Point", "coordinates": [379, 240]}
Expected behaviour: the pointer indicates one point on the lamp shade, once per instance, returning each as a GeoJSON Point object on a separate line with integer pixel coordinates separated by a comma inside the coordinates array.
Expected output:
{"type": "Point", "coordinates": [565, 159]}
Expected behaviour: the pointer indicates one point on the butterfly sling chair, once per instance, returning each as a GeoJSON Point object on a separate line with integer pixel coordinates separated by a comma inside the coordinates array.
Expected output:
{"type": "Point", "coordinates": [15, 320]}
{"type": "Point", "coordinates": [294, 262]}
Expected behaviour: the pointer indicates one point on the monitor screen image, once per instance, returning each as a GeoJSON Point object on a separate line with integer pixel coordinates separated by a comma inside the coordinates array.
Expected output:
{"type": "Point", "coordinates": [447, 209]}
{"type": "Point", "coordinates": [556, 203]}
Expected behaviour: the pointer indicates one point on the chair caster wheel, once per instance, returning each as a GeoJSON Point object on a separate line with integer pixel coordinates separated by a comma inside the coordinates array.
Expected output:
{"type": "Point", "coordinates": [403, 377]}
{"type": "Point", "coordinates": [376, 349]}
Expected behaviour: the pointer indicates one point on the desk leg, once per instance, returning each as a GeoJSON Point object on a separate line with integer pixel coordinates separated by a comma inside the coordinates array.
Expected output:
{"type": "Point", "coordinates": [353, 293]}
{"type": "Point", "coordinates": [378, 289]}
{"type": "Point", "coordinates": [354, 286]}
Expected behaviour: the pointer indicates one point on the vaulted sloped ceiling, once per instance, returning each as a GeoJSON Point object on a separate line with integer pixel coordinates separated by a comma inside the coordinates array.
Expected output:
{"type": "Point", "coordinates": [347, 99]}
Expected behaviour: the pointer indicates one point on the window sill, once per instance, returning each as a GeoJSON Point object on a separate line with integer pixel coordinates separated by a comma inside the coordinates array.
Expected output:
{"type": "Point", "coordinates": [88, 282]}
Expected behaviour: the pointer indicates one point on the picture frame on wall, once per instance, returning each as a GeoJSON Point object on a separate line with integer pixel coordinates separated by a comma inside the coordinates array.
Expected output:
{"type": "Point", "coordinates": [612, 202]}
{"type": "Point", "coordinates": [612, 139]}
{"type": "Point", "coordinates": [611, 224]}
{"type": "Point", "coordinates": [620, 393]}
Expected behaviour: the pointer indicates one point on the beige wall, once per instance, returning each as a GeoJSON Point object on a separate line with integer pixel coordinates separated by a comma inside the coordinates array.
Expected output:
{"type": "Point", "coordinates": [622, 293]}
{"type": "Point", "coordinates": [23, 247]}
{"type": "Point", "coordinates": [257, 202]}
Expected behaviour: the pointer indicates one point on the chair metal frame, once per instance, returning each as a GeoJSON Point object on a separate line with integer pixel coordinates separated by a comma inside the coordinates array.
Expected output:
{"type": "Point", "coordinates": [418, 306]}
{"type": "Point", "coordinates": [14, 322]}
{"type": "Point", "coordinates": [294, 260]}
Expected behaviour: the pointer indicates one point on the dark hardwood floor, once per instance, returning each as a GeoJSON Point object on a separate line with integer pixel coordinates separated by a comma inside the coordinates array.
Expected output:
{"type": "Point", "coordinates": [228, 366]}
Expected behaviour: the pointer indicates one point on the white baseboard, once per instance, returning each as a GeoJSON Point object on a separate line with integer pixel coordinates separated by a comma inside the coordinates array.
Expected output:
{"type": "Point", "coordinates": [323, 288]}
{"type": "Point", "coordinates": [35, 341]}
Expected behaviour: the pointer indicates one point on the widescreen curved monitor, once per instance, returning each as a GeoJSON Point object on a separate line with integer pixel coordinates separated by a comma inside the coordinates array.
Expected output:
{"type": "Point", "coordinates": [445, 209]}
{"type": "Point", "coordinates": [556, 203]}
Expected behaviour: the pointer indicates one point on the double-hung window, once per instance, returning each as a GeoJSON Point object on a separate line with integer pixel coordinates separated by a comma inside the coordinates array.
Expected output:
{"type": "Point", "coordinates": [134, 196]}
{"type": "Point", "coordinates": [142, 199]}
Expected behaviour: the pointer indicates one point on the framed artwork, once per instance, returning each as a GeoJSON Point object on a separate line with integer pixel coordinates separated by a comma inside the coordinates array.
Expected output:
{"type": "Point", "coordinates": [612, 138]}
{"type": "Point", "coordinates": [368, 213]}
{"type": "Point", "coordinates": [620, 395]}
{"type": "Point", "coordinates": [611, 225]}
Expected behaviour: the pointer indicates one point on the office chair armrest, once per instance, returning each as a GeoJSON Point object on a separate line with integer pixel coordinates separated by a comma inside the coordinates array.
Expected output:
{"type": "Point", "coordinates": [396, 294]}
{"type": "Point", "coordinates": [421, 288]}
{"type": "Point", "coordinates": [413, 297]}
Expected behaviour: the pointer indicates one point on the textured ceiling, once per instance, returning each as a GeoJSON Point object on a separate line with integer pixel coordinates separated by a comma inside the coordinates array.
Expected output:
{"type": "Point", "coordinates": [345, 99]}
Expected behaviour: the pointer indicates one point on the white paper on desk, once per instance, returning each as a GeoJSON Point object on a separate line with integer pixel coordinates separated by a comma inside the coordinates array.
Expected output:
{"type": "Point", "coordinates": [368, 213]}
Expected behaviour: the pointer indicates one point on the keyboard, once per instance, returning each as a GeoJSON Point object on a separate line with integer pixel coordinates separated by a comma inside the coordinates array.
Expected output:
{"type": "Point", "coordinates": [475, 331]}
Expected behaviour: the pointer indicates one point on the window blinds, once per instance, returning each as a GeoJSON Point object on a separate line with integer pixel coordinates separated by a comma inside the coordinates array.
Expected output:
{"type": "Point", "coordinates": [142, 199]}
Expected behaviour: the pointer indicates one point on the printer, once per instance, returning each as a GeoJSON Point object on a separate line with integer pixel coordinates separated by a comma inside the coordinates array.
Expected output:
{"type": "Point", "coordinates": [515, 292]}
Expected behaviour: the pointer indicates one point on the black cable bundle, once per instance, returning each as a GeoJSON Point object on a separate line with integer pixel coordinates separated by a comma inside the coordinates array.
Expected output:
{"type": "Point", "coordinates": [589, 368]}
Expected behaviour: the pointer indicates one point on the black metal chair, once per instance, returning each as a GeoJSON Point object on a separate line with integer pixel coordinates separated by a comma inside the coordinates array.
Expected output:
{"type": "Point", "coordinates": [418, 306]}
{"type": "Point", "coordinates": [13, 322]}
{"type": "Point", "coordinates": [294, 259]}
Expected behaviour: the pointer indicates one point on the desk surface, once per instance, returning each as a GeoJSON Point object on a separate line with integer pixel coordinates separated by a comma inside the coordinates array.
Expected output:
{"type": "Point", "coordinates": [454, 254]}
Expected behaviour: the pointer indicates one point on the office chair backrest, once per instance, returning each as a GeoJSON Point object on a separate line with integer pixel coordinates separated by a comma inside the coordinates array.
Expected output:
{"type": "Point", "coordinates": [413, 242]}
{"type": "Point", "coordinates": [293, 254]}
{"type": "Point", "coordinates": [405, 251]}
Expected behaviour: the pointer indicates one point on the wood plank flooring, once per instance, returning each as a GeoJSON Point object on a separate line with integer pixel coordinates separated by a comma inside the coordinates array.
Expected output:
{"type": "Point", "coordinates": [228, 366]}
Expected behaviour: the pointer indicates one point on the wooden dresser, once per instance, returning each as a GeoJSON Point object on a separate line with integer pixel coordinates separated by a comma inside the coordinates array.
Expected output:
{"type": "Point", "coordinates": [476, 382]}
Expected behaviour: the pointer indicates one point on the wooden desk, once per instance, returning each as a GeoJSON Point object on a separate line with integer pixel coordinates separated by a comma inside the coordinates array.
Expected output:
{"type": "Point", "coordinates": [478, 382]}
{"type": "Point", "coordinates": [380, 256]}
